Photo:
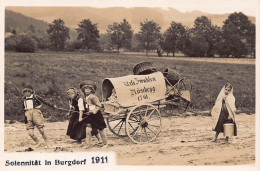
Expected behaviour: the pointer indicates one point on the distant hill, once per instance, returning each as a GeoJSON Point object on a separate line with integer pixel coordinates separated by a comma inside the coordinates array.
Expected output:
{"type": "Point", "coordinates": [22, 23]}
{"type": "Point", "coordinates": [105, 16]}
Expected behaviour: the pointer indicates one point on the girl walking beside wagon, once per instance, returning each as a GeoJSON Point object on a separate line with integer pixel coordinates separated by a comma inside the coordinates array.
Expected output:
{"type": "Point", "coordinates": [225, 110]}
{"type": "Point", "coordinates": [94, 119]}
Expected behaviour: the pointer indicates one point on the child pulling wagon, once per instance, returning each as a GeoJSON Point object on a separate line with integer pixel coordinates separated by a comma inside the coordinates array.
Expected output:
{"type": "Point", "coordinates": [90, 104]}
{"type": "Point", "coordinates": [33, 115]}
{"type": "Point", "coordinates": [76, 130]}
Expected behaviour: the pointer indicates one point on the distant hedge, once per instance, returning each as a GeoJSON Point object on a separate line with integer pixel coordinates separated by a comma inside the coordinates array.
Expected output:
{"type": "Point", "coordinates": [25, 44]}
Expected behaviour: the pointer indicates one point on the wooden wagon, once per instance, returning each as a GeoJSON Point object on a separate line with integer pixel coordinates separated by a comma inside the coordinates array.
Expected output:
{"type": "Point", "coordinates": [139, 100]}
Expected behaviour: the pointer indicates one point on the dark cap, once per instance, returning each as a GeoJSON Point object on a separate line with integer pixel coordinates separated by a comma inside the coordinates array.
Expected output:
{"type": "Point", "coordinates": [27, 86]}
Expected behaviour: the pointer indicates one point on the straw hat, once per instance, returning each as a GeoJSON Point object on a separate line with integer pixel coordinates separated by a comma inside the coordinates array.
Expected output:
{"type": "Point", "coordinates": [88, 83]}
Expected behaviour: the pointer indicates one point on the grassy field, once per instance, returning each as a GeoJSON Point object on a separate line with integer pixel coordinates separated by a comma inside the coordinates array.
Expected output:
{"type": "Point", "coordinates": [52, 73]}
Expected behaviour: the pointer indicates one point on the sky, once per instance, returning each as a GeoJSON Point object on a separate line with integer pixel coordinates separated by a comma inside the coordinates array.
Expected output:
{"type": "Point", "coordinates": [248, 7]}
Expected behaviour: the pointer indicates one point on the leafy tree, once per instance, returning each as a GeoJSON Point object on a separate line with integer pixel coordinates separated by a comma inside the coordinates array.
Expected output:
{"type": "Point", "coordinates": [159, 49]}
{"type": "Point", "coordinates": [204, 28]}
{"type": "Point", "coordinates": [232, 43]}
{"type": "Point", "coordinates": [26, 44]}
{"type": "Point", "coordinates": [105, 42]}
{"type": "Point", "coordinates": [149, 35]}
{"type": "Point", "coordinates": [250, 36]}
{"type": "Point", "coordinates": [194, 45]}
{"type": "Point", "coordinates": [173, 38]}
{"type": "Point", "coordinates": [238, 31]}
{"type": "Point", "coordinates": [135, 44]}
{"type": "Point", "coordinates": [88, 34]}
{"type": "Point", "coordinates": [204, 39]}
{"type": "Point", "coordinates": [218, 42]}
{"type": "Point", "coordinates": [58, 34]}
{"type": "Point", "coordinates": [42, 41]}
{"type": "Point", "coordinates": [165, 45]}
{"type": "Point", "coordinates": [121, 34]}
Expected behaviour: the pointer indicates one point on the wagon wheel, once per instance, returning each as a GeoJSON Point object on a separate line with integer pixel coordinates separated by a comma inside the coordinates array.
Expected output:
{"type": "Point", "coordinates": [116, 124]}
{"type": "Point", "coordinates": [183, 103]}
{"type": "Point", "coordinates": [143, 123]}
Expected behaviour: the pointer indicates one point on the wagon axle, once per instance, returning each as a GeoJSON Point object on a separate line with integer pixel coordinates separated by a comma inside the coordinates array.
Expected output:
{"type": "Point", "coordinates": [144, 124]}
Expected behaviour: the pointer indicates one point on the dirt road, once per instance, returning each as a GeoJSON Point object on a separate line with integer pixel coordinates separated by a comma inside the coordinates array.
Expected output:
{"type": "Point", "coordinates": [182, 141]}
{"type": "Point", "coordinates": [249, 61]}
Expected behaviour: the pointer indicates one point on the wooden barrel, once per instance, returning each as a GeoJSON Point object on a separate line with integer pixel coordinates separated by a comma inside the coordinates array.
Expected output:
{"type": "Point", "coordinates": [228, 129]}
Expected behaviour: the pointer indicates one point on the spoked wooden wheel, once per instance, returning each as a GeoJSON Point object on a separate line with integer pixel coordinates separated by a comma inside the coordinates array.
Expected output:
{"type": "Point", "coordinates": [143, 123]}
{"type": "Point", "coordinates": [116, 124]}
{"type": "Point", "coordinates": [183, 103]}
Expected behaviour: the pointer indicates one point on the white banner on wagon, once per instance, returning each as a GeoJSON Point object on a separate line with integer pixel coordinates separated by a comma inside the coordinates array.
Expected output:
{"type": "Point", "coordinates": [136, 89]}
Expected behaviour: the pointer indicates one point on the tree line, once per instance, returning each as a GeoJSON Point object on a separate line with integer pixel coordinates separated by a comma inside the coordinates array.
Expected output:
{"type": "Point", "coordinates": [236, 38]}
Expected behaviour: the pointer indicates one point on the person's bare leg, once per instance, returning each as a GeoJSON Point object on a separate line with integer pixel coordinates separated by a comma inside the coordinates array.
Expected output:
{"type": "Point", "coordinates": [100, 142]}
{"type": "Point", "coordinates": [104, 137]}
{"type": "Point", "coordinates": [88, 136]}
{"type": "Point", "coordinates": [31, 134]}
{"type": "Point", "coordinates": [216, 137]}
{"type": "Point", "coordinates": [44, 136]}
{"type": "Point", "coordinates": [227, 139]}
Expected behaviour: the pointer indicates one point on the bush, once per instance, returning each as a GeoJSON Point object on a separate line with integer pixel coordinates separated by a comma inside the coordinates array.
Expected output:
{"type": "Point", "coordinates": [25, 44]}
{"type": "Point", "coordinates": [42, 42]}
{"type": "Point", "coordinates": [10, 43]}
{"type": "Point", "coordinates": [72, 46]}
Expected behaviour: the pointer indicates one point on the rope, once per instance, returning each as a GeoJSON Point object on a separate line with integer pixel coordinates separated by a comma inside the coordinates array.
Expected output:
{"type": "Point", "coordinates": [67, 110]}
{"type": "Point", "coordinates": [70, 110]}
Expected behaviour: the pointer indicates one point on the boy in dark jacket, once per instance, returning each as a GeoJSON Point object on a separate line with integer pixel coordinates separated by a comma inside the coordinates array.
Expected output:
{"type": "Point", "coordinates": [33, 115]}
